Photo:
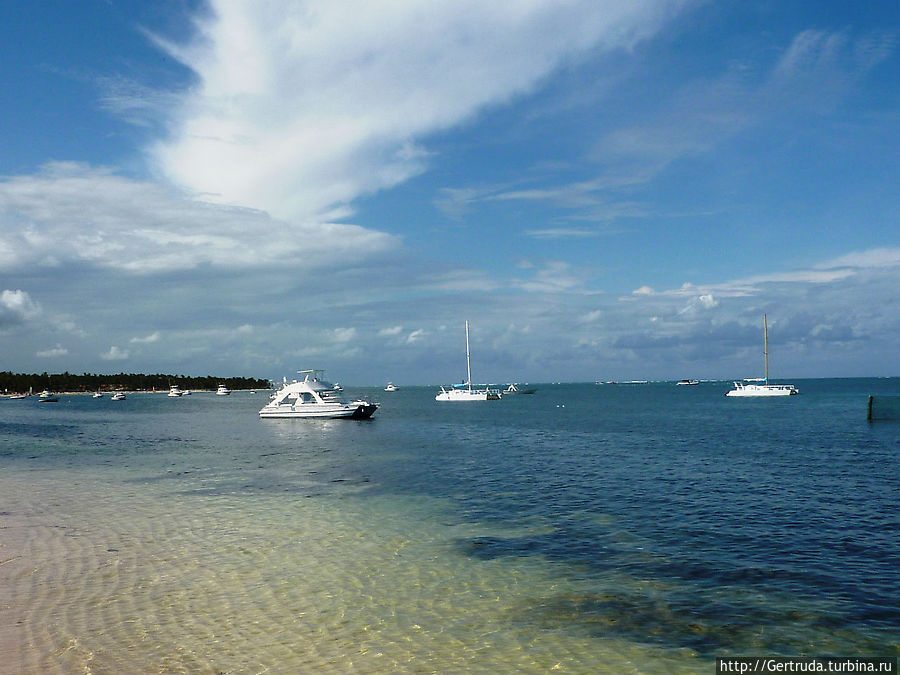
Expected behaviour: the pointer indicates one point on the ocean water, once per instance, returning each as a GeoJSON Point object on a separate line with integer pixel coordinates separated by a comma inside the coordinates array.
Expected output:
{"type": "Point", "coordinates": [582, 529]}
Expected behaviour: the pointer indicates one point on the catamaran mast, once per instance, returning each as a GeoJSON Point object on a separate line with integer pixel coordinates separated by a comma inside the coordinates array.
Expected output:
{"type": "Point", "coordinates": [468, 365]}
{"type": "Point", "coordinates": [766, 346]}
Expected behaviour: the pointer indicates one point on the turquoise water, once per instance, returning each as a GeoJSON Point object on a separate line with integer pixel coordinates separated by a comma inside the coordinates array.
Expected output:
{"type": "Point", "coordinates": [582, 529]}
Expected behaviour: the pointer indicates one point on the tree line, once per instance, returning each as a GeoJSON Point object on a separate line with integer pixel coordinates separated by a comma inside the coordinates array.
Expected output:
{"type": "Point", "coordinates": [24, 382]}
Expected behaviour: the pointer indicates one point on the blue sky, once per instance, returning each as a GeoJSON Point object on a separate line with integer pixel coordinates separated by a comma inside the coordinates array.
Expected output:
{"type": "Point", "coordinates": [605, 190]}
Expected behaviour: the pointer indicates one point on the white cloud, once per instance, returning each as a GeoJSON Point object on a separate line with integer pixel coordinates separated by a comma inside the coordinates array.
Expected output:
{"type": "Point", "coordinates": [71, 213]}
{"type": "Point", "coordinates": [16, 307]}
{"type": "Point", "coordinates": [55, 352]}
{"type": "Point", "coordinates": [153, 337]}
{"type": "Point", "coordinates": [304, 107]}
{"type": "Point", "coordinates": [416, 336]}
{"type": "Point", "coordinates": [873, 258]}
{"type": "Point", "coordinates": [115, 354]}
{"type": "Point", "coordinates": [344, 335]}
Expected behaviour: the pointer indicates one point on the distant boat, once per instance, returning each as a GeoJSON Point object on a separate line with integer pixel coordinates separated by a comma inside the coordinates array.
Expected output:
{"type": "Point", "coordinates": [118, 396]}
{"type": "Point", "coordinates": [47, 396]}
{"type": "Point", "coordinates": [515, 389]}
{"type": "Point", "coordinates": [765, 389]}
{"type": "Point", "coordinates": [98, 394]}
{"type": "Point", "coordinates": [467, 394]}
{"type": "Point", "coordinates": [688, 382]}
{"type": "Point", "coordinates": [18, 396]}
{"type": "Point", "coordinates": [175, 392]}
{"type": "Point", "coordinates": [223, 390]}
{"type": "Point", "coordinates": [390, 387]}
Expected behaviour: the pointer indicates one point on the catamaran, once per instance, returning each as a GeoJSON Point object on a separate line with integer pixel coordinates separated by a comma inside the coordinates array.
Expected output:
{"type": "Point", "coordinates": [750, 388]}
{"type": "Point", "coordinates": [466, 393]}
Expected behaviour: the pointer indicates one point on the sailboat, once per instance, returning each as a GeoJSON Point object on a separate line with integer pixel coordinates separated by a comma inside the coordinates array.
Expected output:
{"type": "Point", "coordinates": [466, 393]}
{"type": "Point", "coordinates": [751, 388]}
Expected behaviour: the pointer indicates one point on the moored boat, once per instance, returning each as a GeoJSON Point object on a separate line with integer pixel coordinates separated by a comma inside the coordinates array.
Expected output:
{"type": "Point", "coordinates": [314, 397]}
{"type": "Point", "coordinates": [466, 392]}
{"type": "Point", "coordinates": [749, 386]}
{"type": "Point", "coordinates": [513, 388]}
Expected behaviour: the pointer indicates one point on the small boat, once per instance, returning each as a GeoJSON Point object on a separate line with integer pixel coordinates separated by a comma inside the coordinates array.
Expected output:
{"type": "Point", "coordinates": [98, 394]}
{"type": "Point", "coordinates": [186, 392]}
{"type": "Point", "coordinates": [47, 396]}
{"type": "Point", "coordinates": [749, 387]}
{"type": "Point", "coordinates": [223, 390]}
{"type": "Point", "coordinates": [466, 393]}
{"type": "Point", "coordinates": [175, 392]}
{"type": "Point", "coordinates": [515, 389]}
{"type": "Point", "coordinates": [390, 387]}
{"type": "Point", "coordinates": [688, 382]}
{"type": "Point", "coordinates": [314, 397]}
{"type": "Point", "coordinates": [17, 397]}
{"type": "Point", "coordinates": [118, 396]}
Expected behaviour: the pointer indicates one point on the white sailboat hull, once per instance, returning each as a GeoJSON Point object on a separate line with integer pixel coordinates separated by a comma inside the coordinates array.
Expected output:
{"type": "Point", "coordinates": [741, 389]}
{"type": "Point", "coordinates": [467, 395]}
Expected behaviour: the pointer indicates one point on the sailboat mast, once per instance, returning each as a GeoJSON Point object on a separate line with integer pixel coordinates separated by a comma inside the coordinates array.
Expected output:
{"type": "Point", "coordinates": [765, 345]}
{"type": "Point", "coordinates": [468, 365]}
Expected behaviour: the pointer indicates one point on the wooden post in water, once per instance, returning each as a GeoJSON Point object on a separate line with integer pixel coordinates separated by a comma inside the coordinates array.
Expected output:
{"type": "Point", "coordinates": [869, 409]}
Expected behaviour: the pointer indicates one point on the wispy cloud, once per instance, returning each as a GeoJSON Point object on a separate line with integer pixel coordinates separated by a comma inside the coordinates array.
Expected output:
{"type": "Point", "coordinates": [53, 353]}
{"type": "Point", "coordinates": [300, 110]}
{"type": "Point", "coordinates": [149, 339]}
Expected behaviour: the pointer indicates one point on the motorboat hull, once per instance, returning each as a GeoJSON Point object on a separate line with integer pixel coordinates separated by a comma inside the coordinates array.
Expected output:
{"type": "Point", "coordinates": [355, 411]}
{"type": "Point", "coordinates": [314, 398]}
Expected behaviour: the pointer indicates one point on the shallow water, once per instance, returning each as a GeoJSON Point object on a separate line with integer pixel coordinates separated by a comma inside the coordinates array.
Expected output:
{"type": "Point", "coordinates": [582, 529]}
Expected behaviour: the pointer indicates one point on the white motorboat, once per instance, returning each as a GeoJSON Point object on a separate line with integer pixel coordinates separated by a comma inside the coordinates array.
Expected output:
{"type": "Point", "coordinates": [223, 390]}
{"type": "Point", "coordinates": [688, 382]}
{"type": "Point", "coordinates": [118, 396]}
{"type": "Point", "coordinates": [749, 387]}
{"type": "Point", "coordinates": [514, 388]}
{"type": "Point", "coordinates": [467, 393]}
{"type": "Point", "coordinates": [314, 397]}
{"type": "Point", "coordinates": [98, 394]}
{"type": "Point", "coordinates": [175, 392]}
{"type": "Point", "coordinates": [47, 396]}
{"type": "Point", "coordinates": [390, 387]}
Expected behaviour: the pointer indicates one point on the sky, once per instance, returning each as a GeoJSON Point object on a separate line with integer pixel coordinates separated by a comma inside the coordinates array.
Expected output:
{"type": "Point", "coordinates": [603, 190]}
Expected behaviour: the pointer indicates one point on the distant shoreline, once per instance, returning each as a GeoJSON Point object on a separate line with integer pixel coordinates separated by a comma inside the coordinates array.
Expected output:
{"type": "Point", "coordinates": [11, 383]}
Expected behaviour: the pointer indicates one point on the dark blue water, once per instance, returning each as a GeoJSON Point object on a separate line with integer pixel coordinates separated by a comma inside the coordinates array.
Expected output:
{"type": "Point", "coordinates": [685, 520]}
{"type": "Point", "coordinates": [788, 504]}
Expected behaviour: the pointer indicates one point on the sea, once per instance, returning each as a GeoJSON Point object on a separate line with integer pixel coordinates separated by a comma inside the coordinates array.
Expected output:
{"type": "Point", "coordinates": [631, 528]}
